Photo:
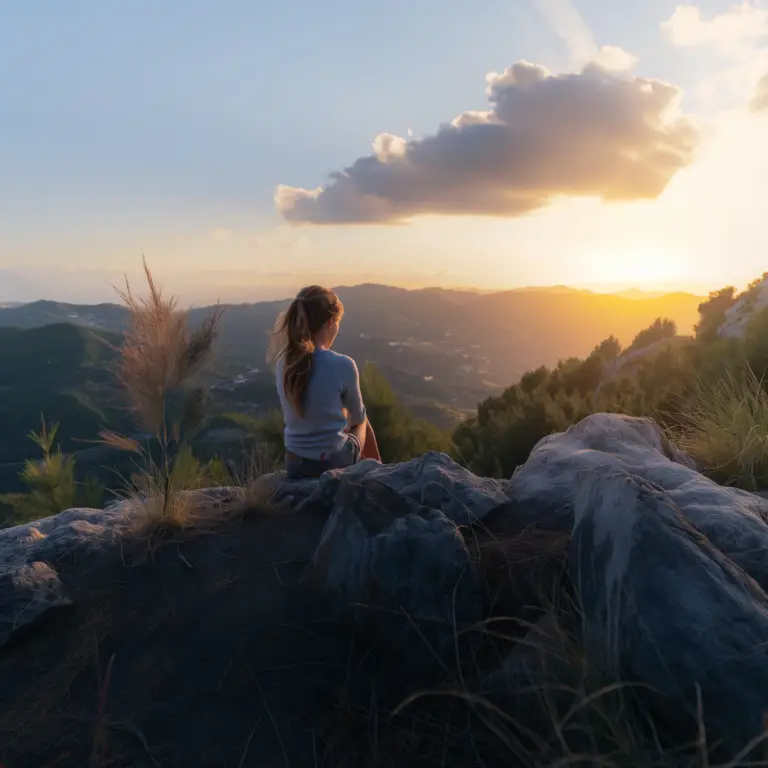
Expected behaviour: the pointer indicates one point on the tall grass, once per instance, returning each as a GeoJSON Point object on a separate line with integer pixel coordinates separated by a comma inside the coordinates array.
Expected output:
{"type": "Point", "coordinates": [725, 429]}
{"type": "Point", "coordinates": [160, 360]}
{"type": "Point", "coordinates": [546, 702]}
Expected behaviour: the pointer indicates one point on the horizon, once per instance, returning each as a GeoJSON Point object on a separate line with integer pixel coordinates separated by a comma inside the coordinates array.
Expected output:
{"type": "Point", "coordinates": [496, 146]}
{"type": "Point", "coordinates": [246, 296]}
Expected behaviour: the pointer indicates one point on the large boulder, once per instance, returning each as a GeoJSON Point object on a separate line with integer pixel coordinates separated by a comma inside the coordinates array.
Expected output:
{"type": "Point", "coordinates": [30, 589]}
{"type": "Point", "coordinates": [402, 564]}
{"type": "Point", "coordinates": [28, 595]}
{"type": "Point", "coordinates": [664, 608]}
{"type": "Point", "coordinates": [544, 489]}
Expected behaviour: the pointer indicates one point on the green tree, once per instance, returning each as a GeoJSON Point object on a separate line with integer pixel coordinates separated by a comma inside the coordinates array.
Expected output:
{"type": "Point", "coordinates": [712, 313]}
{"type": "Point", "coordinates": [608, 349]}
{"type": "Point", "coordinates": [661, 328]}
{"type": "Point", "coordinates": [51, 480]}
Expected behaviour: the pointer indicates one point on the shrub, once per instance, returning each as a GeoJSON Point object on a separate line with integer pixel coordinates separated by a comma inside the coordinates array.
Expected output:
{"type": "Point", "coordinates": [267, 432]}
{"type": "Point", "coordinates": [51, 480]}
{"type": "Point", "coordinates": [400, 435]}
{"type": "Point", "coordinates": [661, 328]}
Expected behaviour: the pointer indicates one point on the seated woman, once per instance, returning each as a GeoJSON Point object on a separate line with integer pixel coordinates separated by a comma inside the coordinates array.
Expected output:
{"type": "Point", "coordinates": [325, 421]}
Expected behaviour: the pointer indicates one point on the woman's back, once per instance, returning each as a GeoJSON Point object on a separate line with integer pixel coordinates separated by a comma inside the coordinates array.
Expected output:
{"type": "Point", "coordinates": [333, 385]}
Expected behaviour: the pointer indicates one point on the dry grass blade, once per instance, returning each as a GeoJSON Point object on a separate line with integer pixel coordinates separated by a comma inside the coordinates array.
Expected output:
{"type": "Point", "coordinates": [159, 352]}
{"type": "Point", "coordinates": [121, 442]}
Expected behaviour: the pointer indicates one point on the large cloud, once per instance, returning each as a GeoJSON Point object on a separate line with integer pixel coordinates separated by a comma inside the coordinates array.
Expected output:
{"type": "Point", "coordinates": [586, 134]}
{"type": "Point", "coordinates": [760, 101]}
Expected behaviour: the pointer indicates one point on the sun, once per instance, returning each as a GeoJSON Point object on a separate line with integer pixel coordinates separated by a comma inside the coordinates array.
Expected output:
{"type": "Point", "coordinates": [636, 265]}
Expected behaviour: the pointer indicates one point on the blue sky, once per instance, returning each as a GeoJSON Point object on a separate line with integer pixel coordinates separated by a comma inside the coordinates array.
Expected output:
{"type": "Point", "coordinates": [167, 126]}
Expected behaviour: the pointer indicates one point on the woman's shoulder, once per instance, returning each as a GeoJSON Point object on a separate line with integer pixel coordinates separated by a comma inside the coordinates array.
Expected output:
{"type": "Point", "coordinates": [337, 360]}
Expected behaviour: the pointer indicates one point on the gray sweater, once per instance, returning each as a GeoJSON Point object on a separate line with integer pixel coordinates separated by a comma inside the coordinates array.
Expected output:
{"type": "Point", "coordinates": [334, 384]}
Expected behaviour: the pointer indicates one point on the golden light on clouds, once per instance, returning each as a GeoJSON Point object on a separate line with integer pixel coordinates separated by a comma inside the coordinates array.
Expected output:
{"type": "Point", "coordinates": [588, 134]}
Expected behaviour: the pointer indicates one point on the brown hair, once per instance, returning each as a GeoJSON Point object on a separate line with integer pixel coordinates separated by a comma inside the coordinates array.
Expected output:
{"type": "Point", "coordinates": [292, 340]}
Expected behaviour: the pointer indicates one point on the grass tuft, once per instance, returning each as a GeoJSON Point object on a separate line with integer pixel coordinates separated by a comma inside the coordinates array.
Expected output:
{"type": "Point", "coordinates": [725, 430]}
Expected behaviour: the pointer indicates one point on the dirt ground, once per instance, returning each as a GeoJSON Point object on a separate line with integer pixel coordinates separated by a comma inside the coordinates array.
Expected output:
{"type": "Point", "coordinates": [210, 650]}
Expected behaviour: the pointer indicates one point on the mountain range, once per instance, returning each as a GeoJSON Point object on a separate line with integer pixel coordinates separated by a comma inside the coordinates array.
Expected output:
{"type": "Point", "coordinates": [471, 343]}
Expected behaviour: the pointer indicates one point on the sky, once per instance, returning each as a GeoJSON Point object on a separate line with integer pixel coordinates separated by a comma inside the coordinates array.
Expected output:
{"type": "Point", "coordinates": [247, 148]}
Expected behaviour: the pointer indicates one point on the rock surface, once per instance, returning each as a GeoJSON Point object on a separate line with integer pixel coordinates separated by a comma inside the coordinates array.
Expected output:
{"type": "Point", "coordinates": [735, 521]}
{"type": "Point", "coordinates": [433, 480]}
{"type": "Point", "coordinates": [401, 561]}
{"type": "Point", "coordinates": [737, 318]}
{"type": "Point", "coordinates": [665, 608]}
{"type": "Point", "coordinates": [668, 567]}
{"type": "Point", "coordinates": [30, 589]}
{"type": "Point", "coordinates": [28, 594]}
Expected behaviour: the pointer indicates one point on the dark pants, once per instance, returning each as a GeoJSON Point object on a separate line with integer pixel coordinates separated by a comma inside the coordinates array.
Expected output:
{"type": "Point", "coordinates": [298, 467]}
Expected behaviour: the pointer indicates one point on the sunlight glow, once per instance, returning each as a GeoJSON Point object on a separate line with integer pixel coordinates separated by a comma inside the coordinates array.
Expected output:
{"type": "Point", "coordinates": [641, 263]}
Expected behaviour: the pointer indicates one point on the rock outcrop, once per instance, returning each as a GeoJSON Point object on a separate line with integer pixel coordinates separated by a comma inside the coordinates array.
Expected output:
{"type": "Point", "coordinates": [668, 569]}
{"type": "Point", "coordinates": [750, 303]}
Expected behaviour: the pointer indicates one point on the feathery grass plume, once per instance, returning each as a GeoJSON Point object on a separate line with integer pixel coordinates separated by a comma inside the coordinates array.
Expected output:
{"type": "Point", "coordinates": [725, 429]}
{"type": "Point", "coordinates": [159, 360]}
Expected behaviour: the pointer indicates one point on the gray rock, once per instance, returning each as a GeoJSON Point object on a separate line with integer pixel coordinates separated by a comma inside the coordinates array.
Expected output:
{"type": "Point", "coordinates": [664, 607]}
{"type": "Point", "coordinates": [30, 589]}
{"type": "Point", "coordinates": [432, 480]}
{"type": "Point", "coordinates": [543, 490]}
{"type": "Point", "coordinates": [28, 595]}
{"type": "Point", "coordinates": [53, 537]}
{"type": "Point", "coordinates": [391, 561]}
{"type": "Point", "coordinates": [748, 306]}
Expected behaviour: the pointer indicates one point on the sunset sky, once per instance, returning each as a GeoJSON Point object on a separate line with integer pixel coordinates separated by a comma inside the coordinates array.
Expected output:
{"type": "Point", "coordinates": [249, 147]}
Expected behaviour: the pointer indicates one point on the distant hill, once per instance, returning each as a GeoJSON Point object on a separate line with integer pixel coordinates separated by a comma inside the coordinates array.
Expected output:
{"type": "Point", "coordinates": [107, 317]}
{"type": "Point", "coordinates": [63, 372]}
{"type": "Point", "coordinates": [636, 293]}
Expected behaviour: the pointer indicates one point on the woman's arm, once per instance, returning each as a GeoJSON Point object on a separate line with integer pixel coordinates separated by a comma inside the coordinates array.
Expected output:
{"type": "Point", "coordinates": [352, 400]}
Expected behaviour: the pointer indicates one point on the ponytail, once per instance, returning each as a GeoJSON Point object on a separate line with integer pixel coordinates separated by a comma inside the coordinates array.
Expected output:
{"type": "Point", "coordinates": [292, 340]}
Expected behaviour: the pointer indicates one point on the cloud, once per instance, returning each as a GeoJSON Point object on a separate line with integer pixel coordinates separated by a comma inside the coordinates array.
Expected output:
{"type": "Point", "coordinates": [568, 24]}
{"type": "Point", "coordinates": [587, 134]}
{"type": "Point", "coordinates": [220, 233]}
{"type": "Point", "coordinates": [744, 24]}
{"type": "Point", "coordinates": [738, 36]}
{"type": "Point", "coordinates": [760, 101]}
{"type": "Point", "coordinates": [612, 58]}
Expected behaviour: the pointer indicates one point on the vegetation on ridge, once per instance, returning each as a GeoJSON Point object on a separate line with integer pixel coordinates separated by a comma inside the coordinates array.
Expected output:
{"type": "Point", "coordinates": [708, 392]}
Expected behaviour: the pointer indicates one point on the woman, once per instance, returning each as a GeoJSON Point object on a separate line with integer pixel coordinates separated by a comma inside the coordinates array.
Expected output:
{"type": "Point", "coordinates": [325, 421]}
